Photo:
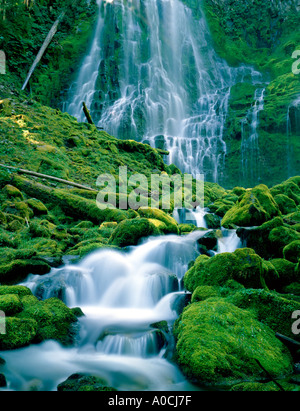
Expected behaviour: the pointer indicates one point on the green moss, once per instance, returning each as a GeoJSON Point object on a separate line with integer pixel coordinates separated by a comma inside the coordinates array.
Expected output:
{"type": "Point", "coordinates": [19, 290]}
{"type": "Point", "coordinates": [243, 266]}
{"type": "Point", "coordinates": [84, 382]}
{"type": "Point", "coordinates": [268, 307]}
{"type": "Point", "coordinates": [10, 304]}
{"type": "Point", "coordinates": [254, 208]}
{"type": "Point", "coordinates": [255, 386]}
{"type": "Point", "coordinates": [218, 343]}
{"type": "Point", "coordinates": [53, 318]}
{"type": "Point", "coordinates": [11, 191]}
{"type": "Point", "coordinates": [282, 236]}
{"type": "Point", "coordinates": [203, 292]}
{"type": "Point", "coordinates": [37, 206]}
{"type": "Point", "coordinates": [171, 225]}
{"type": "Point", "coordinates": [285, 204]}
{"type": "Point", "coordinates": [258, 238]}
{"type": "Point", "coordinates": [130, 232]}
{"type": "Point", "coordinates": [18, 270]}
{"type": "Point", "coordinates": [18, 333]}
{"type": "Point", "coordinates": [291, 251]}
{"type": "Point", "coordinates": [286, 271]}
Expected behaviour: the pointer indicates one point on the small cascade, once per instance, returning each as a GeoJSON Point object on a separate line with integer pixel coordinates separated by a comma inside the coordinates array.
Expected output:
{"type": "Point", "coordinates": [250, 144]}
{"type": "Point", "coordinates": [122, 295]}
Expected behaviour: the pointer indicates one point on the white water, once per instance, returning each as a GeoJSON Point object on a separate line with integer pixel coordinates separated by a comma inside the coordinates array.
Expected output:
{"type": "Point", "coordinates": [169, 87]}
{"type": "Point", "coordinates": [121, 295]}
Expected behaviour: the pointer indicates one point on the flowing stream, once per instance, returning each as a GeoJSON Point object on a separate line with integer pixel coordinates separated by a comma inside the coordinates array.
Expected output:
{"type": "Point", "coordinates": [122, 295]}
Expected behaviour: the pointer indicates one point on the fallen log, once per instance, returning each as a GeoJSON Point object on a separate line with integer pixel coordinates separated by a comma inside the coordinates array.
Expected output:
{"type": "Point", "coordinates": [87, 113]}
{"type": "Point", "coordinates": [42, 50]}
{"type": "Point", "coordinates": [60, 180]}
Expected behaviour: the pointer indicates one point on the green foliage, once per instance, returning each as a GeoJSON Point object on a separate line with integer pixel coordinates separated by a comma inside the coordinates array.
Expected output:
{"type": "Point", "coordinates": [218, 343]}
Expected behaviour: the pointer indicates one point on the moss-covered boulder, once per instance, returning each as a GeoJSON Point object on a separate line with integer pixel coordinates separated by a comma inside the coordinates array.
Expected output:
{"type": "Point", "coordinates": [280, 237]}
{"type": "Point", "coordinates": [54, 319]}
{"type": "Point", "coordinates": [19, 332]}
{"type": "Point", "coordinates": [212, 221]}
{"type": "Point", "coordinates": [130, 232]}
{"type": "Point", "coordinates": [291, 251]}
{"type": "Point", "coordinates": [12, 192]}
{"type": "Point", "coordinates": [84, 382]}
{"type": "Point", "coordinates": [243, 266]}
{"type": "Point", "coordinates": [257, 238]}
{"type": "Point", "coordinates": [254, 208]}
{"type": "Point", "coordinates": [268, 307]}
{"type": "Point", "coordinates": [171, 225]}
{"type": "Point", "coordinates": [17, 270]}
{"type": "Point", "coordinates": [286, 205]}
{"type": "Point", "coordinates": [37, 206]}
{"type": "Point", "coordinates": [219, 343]}
{"type": "Point", "coordinates": [10, 304]}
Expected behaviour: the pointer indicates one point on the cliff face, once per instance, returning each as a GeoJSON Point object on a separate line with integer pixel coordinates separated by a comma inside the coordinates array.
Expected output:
{"type": "Point", "coordinates": [263, 34]}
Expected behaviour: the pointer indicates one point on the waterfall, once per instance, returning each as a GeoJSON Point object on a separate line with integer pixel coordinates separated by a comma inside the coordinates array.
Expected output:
{"type": "Point", "coordinates": [122, 295]}
{"type": "Point", "coordinates": [250, 143]}
{"type": "Point", "coordinates": [152, 75]}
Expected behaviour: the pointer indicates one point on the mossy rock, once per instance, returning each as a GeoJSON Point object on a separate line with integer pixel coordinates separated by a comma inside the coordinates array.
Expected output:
{"type": "Point", "coordinates": [243, 266]}
{"type": "Point", "coordinates": [254, 208]}
{"type": "Point", "coordinates": [18, 333]}
{"type": "Point", "coordinates": [291, 252]}
{"type": "Point", "coordinates": [19, 208]}
{"type": "Point", "coordinates": [2, 219]}
{"type": "Point", "coordinates": [157, 214]}
{"type": "Point", "coordinates": [255, 386]}
{"type": "Point", "coordinates": [14, 226]}
{"type": "Point", "coordinates": [286, 271]}
{"type": "Point", "coordinates": [258, 238]}
{"type": "Point", "coordinates": [203, 292]}
{"type": "Point", "coordinates": [290, 188]}
{"type": "Point", "coordinates": [19, 290]}
{"type": "Point", "coordinates": [54, 319]}
{"type": "Point", "coordinates": [217, 343]}
{"type": "Point", "coordinates": [10, 304]}
{"type": "Point", "coordinates": [270, 308]}
{"type": "Point", "coordinates": [280, 237]}
{"type": "Point", "coordinates": [212, 221]}
{"type": "Point", "coordinates": [18, 270]}
{"type": "Point", "coordinates": [37, 207]}
{"type": "Point", "coordinates": [130, 232]}
{"type": "Point", "coordinates": [84, 382]}
{"type": "Point", "coordinates": [186, 228]}
{"type": "Point", "coordinates": [12, 192]}
{"type": "Point", "coordinates": [285, 204]}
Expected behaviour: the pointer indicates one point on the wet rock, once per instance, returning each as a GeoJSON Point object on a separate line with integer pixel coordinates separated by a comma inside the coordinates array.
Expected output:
{"type": "Point", "coordinates": [84, 382]}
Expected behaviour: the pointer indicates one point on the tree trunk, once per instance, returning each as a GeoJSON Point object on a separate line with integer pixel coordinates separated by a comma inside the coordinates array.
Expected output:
{"type": "Point", "coordinates": [44, 47]}
{"type": "Point", "coordinates": [87, 113]}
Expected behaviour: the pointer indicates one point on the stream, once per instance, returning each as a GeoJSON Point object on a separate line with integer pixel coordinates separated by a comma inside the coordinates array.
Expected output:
{"type": "Point", "coordinates": [122, 296]}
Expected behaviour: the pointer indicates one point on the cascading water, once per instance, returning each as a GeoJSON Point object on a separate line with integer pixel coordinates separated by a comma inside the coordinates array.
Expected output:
{"type": "Point", "coordinates": [250, 144]}
{"type": "Point", "coordinates": [159, 81]}
{"type": "Point", "coordinates": [122, 296]}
